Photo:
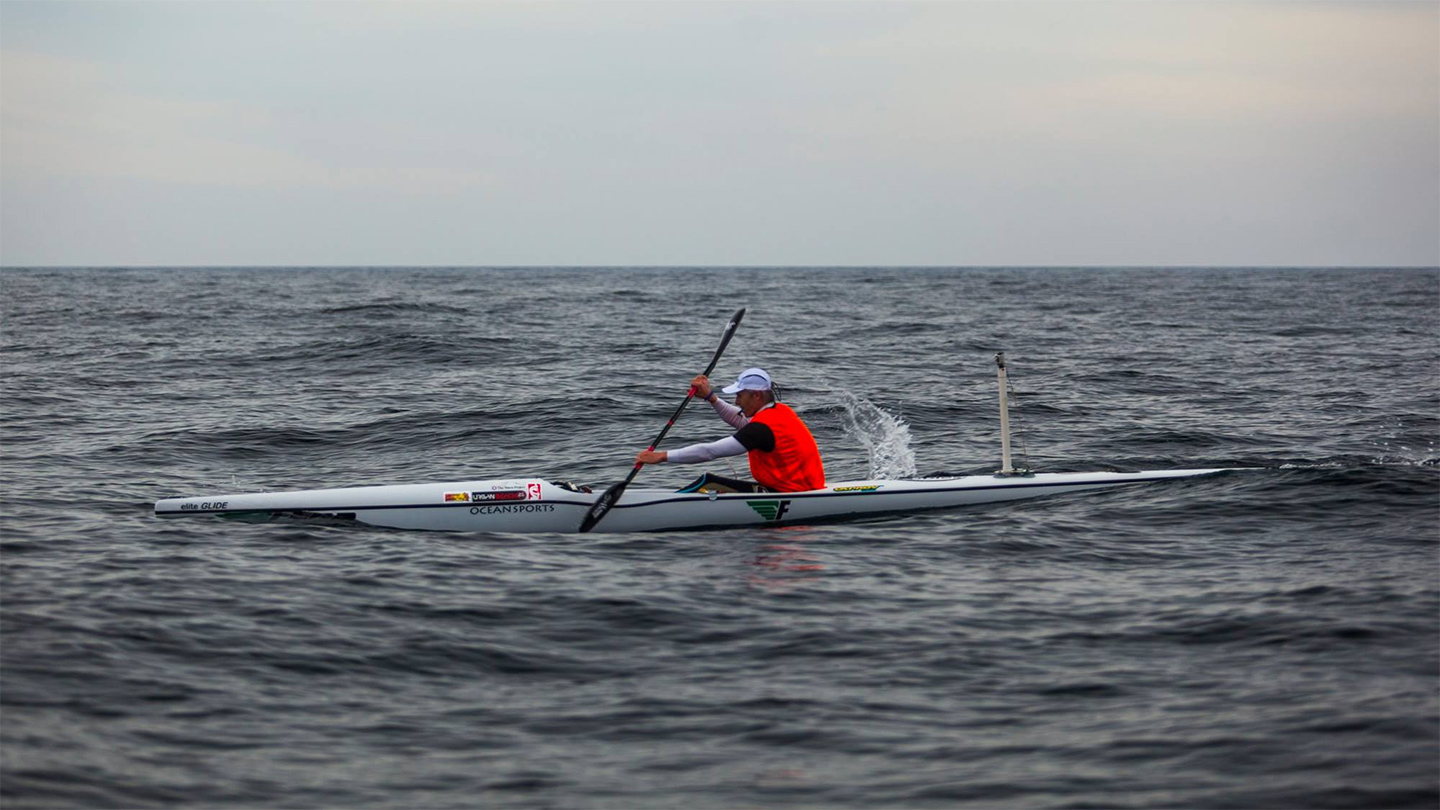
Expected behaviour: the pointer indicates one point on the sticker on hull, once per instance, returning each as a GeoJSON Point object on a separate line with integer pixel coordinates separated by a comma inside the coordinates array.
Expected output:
{"type": "Point", "coordinates": [770, 510]}
{"type": "Point", "coordinates": [499, 495]}
{"type": "Point", "coordinates": [512, 509]}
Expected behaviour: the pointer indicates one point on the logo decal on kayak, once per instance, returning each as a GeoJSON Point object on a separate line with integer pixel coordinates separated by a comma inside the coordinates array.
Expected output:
{"type": "Point", "coordinates": [511, 508]}
{"type": "Point", "coordinates": [770, 510]}
{"type": "Point", "coordinates": [498, 495]}
{"type": "Point", "coordinates": [533, 490]}
{"type": "Point", "coordinates": [864, 488]}
{"type": "Point", "coordinates": [457, 496]}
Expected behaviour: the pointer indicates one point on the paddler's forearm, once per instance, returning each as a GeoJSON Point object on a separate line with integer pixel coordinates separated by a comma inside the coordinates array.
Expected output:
{"type": "Point", "coordinates": [698, 453]}
{"type": "Point", "coordinates": [728, 412]}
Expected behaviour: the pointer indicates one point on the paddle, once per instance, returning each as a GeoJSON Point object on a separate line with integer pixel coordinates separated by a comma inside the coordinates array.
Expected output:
{"type": "Point", "coordinates": [608, 498]}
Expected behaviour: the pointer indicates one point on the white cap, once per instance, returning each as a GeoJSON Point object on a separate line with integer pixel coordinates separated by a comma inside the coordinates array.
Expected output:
{"type": "Point", "coordinates": [751, 379]}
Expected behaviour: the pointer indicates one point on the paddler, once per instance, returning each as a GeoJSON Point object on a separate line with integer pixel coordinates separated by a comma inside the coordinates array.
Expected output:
{"type": "Point", "coordinates": [783, 454]}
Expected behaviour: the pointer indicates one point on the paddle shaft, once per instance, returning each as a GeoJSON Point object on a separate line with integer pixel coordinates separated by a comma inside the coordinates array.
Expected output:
{"type": "Point", "coordinates": [608, 498]}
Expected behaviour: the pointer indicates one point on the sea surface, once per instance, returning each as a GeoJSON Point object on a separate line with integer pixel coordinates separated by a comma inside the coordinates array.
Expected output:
{"type": "Point", "coordinates": [1268, 637]}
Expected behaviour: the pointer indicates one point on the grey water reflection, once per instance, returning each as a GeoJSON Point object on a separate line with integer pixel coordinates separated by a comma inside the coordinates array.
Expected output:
{"type": "Point", "coordinates": [786, 557]}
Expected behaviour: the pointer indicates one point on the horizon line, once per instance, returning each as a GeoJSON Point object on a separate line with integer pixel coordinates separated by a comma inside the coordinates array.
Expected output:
{"type": "Point", "coordinates": [14, 267]}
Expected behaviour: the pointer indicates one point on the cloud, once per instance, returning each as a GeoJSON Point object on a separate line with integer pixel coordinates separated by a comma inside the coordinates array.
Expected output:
{"type": "Point", "coordinates": [601, 132]}
{"type": "Point", "coordinates": [64, 117]}
{"type": "Point", "coordinates": [1025, 69]}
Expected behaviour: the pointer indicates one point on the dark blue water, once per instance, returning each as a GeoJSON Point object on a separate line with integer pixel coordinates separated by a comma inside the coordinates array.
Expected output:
{"type": "Point", "coordinates": [1268, 638]}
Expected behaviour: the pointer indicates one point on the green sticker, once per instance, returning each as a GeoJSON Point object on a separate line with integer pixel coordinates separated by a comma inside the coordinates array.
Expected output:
{"type": "Point", "coordinates": [770, 510]}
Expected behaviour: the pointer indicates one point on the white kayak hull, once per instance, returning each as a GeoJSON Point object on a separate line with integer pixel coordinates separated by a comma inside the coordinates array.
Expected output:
{"type": "Point", "coordinates": [532, 505]}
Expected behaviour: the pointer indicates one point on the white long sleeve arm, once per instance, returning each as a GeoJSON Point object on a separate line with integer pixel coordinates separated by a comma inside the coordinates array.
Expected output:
{"type": "Point", "coordinates": [697, 453]}
{"type": "Point", "coordinates": [729, 413]}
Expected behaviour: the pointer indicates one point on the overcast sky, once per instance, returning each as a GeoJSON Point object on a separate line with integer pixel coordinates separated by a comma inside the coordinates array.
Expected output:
{"type": "Point", "coordinates": [1068, 132]}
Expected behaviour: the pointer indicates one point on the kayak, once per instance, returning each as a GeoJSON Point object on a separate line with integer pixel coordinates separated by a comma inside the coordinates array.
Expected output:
{"type": "Point", "coordinates": [535, 505]}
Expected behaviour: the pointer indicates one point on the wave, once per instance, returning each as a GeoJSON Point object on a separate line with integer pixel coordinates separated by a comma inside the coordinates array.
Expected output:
{"type": "Point", "coordinates": [395, 308]}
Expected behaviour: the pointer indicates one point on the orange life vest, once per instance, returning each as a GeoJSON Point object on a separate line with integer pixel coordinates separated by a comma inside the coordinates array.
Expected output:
{"type": "Point", "coordinates": [794, 465]}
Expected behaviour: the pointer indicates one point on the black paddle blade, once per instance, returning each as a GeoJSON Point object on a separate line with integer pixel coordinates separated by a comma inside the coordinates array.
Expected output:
{"type": "Point", "coordinates": [602, 505]}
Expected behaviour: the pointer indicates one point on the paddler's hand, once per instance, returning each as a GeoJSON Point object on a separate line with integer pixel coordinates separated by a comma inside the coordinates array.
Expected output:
{"type": "Point", "coordinates": [701, 384]}
{"type": "Point", "coordinates": [650, 456]}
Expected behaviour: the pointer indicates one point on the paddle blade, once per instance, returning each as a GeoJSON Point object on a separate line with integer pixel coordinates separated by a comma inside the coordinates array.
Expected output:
{"type": "Point", "coordinates": [602, 505]}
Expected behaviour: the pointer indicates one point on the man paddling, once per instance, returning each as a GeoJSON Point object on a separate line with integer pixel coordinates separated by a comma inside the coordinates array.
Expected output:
{"type": "Point", "coordinates": [783, 454]}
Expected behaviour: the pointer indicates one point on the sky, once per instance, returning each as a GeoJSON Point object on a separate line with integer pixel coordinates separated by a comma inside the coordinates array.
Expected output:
{"type": "Point", "coordinates": [705, 132]}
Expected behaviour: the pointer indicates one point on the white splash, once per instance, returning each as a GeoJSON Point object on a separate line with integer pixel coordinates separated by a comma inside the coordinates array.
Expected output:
{"type": "Point", "coordinates": [884, 436]}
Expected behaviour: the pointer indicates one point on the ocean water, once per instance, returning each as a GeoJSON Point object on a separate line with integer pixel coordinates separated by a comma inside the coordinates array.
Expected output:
{"type": "Point", "coordinates": [1261, 638]}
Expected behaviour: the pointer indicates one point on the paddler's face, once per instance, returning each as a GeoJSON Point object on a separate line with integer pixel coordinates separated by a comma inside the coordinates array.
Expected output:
{"type": "Point", "coordinates": [749, 402]}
